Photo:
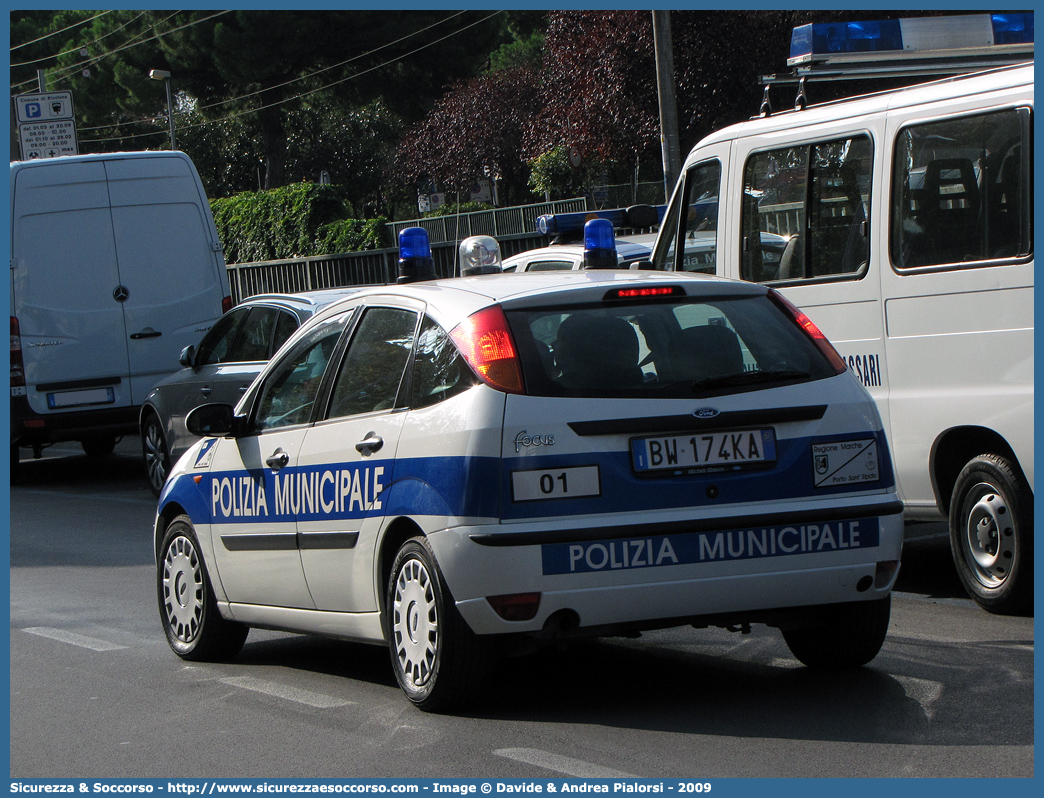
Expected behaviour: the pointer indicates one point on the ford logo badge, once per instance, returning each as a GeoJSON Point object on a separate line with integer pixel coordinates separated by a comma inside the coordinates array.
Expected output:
{"type": "Point", "coordinates": [705, 412]}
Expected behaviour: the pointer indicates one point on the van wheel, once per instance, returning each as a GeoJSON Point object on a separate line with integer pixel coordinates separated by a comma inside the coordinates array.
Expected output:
{"type": "Point", "coordinates": [848, 637]}
{"type": "Point", "coordinates": [437, 659]}
{"type": "Point", "coordinates": [98, 446]}
{"type": "Point", "coordinates": [188, 610]}
{"type": "Point", "coordinates": [991, 534]}
{"type": "Point", "coordinates": [154, 449]}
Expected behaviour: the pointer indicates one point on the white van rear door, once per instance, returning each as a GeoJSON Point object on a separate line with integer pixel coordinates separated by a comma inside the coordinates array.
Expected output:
{"type": "Point", "coordinates": [167, 263]}
{"type": "Point", "coordinates": [64, 276]}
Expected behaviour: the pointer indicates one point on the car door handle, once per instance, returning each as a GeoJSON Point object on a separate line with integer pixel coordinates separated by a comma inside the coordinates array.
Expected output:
{"type": "Point", "coordinates": [205, 390]}
{"type": "Point", "coordinates": [370, 444]}
{"type": "Point", "coordinates": [278, 460]}
{"type": "Point", "coordinates": [148, 332]}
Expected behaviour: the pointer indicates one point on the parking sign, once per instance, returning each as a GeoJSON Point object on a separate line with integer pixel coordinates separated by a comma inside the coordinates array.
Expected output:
{"type": "Point", "coordinates": [46, 125]}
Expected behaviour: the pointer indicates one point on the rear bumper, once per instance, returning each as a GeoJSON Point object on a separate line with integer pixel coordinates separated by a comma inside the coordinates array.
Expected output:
{"type": "Point", "coordinates": [29, 427]}
{"type": "Point", "coordinates": [645, 575]}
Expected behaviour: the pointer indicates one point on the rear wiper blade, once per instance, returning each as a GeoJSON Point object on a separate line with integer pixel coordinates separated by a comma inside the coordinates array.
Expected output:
{"type": "Point", "coordinates": [750, 378]}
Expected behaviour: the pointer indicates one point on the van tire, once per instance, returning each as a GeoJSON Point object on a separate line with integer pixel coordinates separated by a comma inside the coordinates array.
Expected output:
{"type": "Point", "coordinates": [437, 659]}
{"type": "Point", "coordinates": [849, 636]}
{"type": "Point", "coordinates": [991, 534]}
{"type": "Point", "coordinates": [99, 446]}
{"type": "Point", "coordinates": [188, 609]}
{"type": "Point", "coordinates": [154, 450]}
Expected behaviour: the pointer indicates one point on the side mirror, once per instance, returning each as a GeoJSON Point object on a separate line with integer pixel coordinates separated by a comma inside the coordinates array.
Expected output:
{"type": "Point", "coordinates": [187, 356]}
{"type": "Point", "coordinates": [643, 265]}
{"type": "Point", "coordinates": [211, 421]}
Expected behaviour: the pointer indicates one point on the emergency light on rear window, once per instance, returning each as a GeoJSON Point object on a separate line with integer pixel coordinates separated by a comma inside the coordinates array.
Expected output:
{"type": "Point", "coordinates": [643, 293]}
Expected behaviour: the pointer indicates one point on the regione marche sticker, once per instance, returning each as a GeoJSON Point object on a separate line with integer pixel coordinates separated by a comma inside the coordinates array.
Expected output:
{"type": "Point", "coordinates": [845, 463]}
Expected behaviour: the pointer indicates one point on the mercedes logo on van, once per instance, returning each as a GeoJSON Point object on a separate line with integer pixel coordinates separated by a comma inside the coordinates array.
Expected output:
{"type": "Point", "coordinates": [121, 293]}
{"type": "Point", "coordinates": [705, 412]}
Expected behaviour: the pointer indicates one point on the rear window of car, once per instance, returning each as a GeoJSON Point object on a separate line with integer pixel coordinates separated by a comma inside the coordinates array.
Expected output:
{"type": "Point", "coordinates": [679, 348]}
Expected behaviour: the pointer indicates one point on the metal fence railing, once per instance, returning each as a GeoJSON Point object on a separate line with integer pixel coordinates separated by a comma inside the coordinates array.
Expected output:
{"type": "Point", "coordinates": [369, 267]}
{"type": "Point", "coordinates": [514, 228]}
{"type": "Point", "coordinates": [496, 222]}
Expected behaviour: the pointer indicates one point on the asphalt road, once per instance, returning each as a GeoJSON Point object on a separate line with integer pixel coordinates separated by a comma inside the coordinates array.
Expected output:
{"type": "Point", "coordinates": [96, 692]}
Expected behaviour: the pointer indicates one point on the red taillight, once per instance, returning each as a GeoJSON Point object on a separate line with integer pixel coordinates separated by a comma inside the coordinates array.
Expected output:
{"type": "Point", "coordinates": [226, 304]}
{"type": "Point", "coordinates": [17, 366]}
{"type": "Point", "coordinates": [810, 329]}
{"type": "Point", "coordinates": [485, 341]}
{"type": "Point", "coordinates": [516, 606]}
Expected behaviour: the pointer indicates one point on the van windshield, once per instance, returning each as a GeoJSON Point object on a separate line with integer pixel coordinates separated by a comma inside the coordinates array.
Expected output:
{"type": "Point", "coordinates": [680, 348]}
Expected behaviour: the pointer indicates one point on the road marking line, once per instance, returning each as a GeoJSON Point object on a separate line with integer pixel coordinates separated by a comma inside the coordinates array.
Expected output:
{"type": "Point", "coordinates": [73, 639]}
{"type": "Point", "coordinates": [317, 700]}
{"type": "Point", "coordinates": [562, 764]}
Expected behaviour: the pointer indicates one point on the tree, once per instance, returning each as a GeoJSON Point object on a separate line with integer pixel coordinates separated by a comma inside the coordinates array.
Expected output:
{"type": "Point", "coordinates": [253, 70]}
{"type": "Point", "coordinates": [600, 85]}
{"type": "Point", "coordinates": [475, 129]}
{"type": "Point", "coordinates": [276, 63]}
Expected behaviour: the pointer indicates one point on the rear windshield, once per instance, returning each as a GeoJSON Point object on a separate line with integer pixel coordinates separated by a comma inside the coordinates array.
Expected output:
{"type": "Point", "coordinates": [677, 348]}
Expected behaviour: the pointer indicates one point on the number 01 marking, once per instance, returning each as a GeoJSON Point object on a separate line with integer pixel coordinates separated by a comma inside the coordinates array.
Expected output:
{"type": "Point", "coordinates": [555, 483]}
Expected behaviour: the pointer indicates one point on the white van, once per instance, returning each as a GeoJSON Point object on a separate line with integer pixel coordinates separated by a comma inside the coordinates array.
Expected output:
{"type": "Point", "coordinates": [115, 268]}
{"type": "Point", "coordinates": [908, 220]}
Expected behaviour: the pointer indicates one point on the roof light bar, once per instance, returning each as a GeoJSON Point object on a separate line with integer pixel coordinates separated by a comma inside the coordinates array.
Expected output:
{"type": "Point", "coordinates": [915, 37]}
{"type": "Point", "coordinates": [566, 224]}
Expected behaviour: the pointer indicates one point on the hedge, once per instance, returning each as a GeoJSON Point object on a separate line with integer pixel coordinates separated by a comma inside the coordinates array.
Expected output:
{"type": "Point", "coordinates": [294, 221]}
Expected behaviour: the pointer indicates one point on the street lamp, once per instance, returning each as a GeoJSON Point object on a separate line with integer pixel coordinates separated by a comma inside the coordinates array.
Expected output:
{"type": "Point", "coordinates": [164, 75]}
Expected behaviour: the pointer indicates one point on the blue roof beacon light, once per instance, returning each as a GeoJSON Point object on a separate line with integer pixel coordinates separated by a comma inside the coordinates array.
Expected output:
{"type": "Point", "coordinates": [479, 255]}
{"type": "Point", "coordinates": [600, 245]}
{"type": "Point", "coordinates": [415, 262]}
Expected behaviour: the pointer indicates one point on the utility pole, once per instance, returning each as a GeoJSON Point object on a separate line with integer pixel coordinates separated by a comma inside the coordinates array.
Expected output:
{"type": "Point", "coordinates": [664, 51]}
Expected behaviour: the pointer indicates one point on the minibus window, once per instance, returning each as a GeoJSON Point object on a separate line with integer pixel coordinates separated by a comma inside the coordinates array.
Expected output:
{"type": "Point", "coordinates": [699, 223]}
{"type": "Point", "coordinates": [805, 211]}
{"type": "Point", "coordinates": [960, 191]}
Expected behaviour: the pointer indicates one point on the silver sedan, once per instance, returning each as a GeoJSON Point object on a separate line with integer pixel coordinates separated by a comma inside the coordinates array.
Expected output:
{"type": "Point", "coordinates": [220, 369]}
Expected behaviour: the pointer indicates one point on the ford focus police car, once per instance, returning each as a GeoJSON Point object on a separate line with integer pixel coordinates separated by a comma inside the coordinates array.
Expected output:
{"type": "Point", "coordinates": [444, 466]}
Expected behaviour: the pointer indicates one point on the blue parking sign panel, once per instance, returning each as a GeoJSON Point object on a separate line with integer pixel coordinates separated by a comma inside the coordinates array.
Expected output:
{"type": "Point", "coordinates": [50, 107]}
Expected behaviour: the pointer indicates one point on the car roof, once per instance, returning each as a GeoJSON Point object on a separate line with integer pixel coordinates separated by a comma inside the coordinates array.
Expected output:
{"type": "Point", "coordinates": [304, 300]}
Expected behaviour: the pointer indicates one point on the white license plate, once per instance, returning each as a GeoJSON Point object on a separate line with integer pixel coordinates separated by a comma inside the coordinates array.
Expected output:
{"type": "Point", "coordinates": [555, 483]}
{"type": "Point", "coordinates": [90, 396]}
{"type": "Point", "coordinates": [716, 449]}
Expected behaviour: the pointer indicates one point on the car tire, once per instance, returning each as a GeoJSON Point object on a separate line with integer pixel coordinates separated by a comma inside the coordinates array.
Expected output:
{"type": "Point", "coordinates": [991, 534]}
{"type": "Point", "coordinates": [154, 450]}
{"type": "Point", "coordinates": [437, 659]}
{"type": "Point", "coordinates": [188, 609]}
{"type": "Point", "coordinates": [98, 446]}
{"type": "Point", "coordinates": [849, 636]}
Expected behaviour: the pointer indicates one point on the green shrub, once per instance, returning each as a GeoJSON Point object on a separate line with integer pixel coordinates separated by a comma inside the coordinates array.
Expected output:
{"type": "Point", "coordinates": [294, 221]}
{"type": "Point", "coordinates": [351, 235]}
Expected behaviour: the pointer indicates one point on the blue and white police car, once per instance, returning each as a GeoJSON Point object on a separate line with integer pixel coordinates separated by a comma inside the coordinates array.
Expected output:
{"type": "Point", "coordinates": [446, 467]}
